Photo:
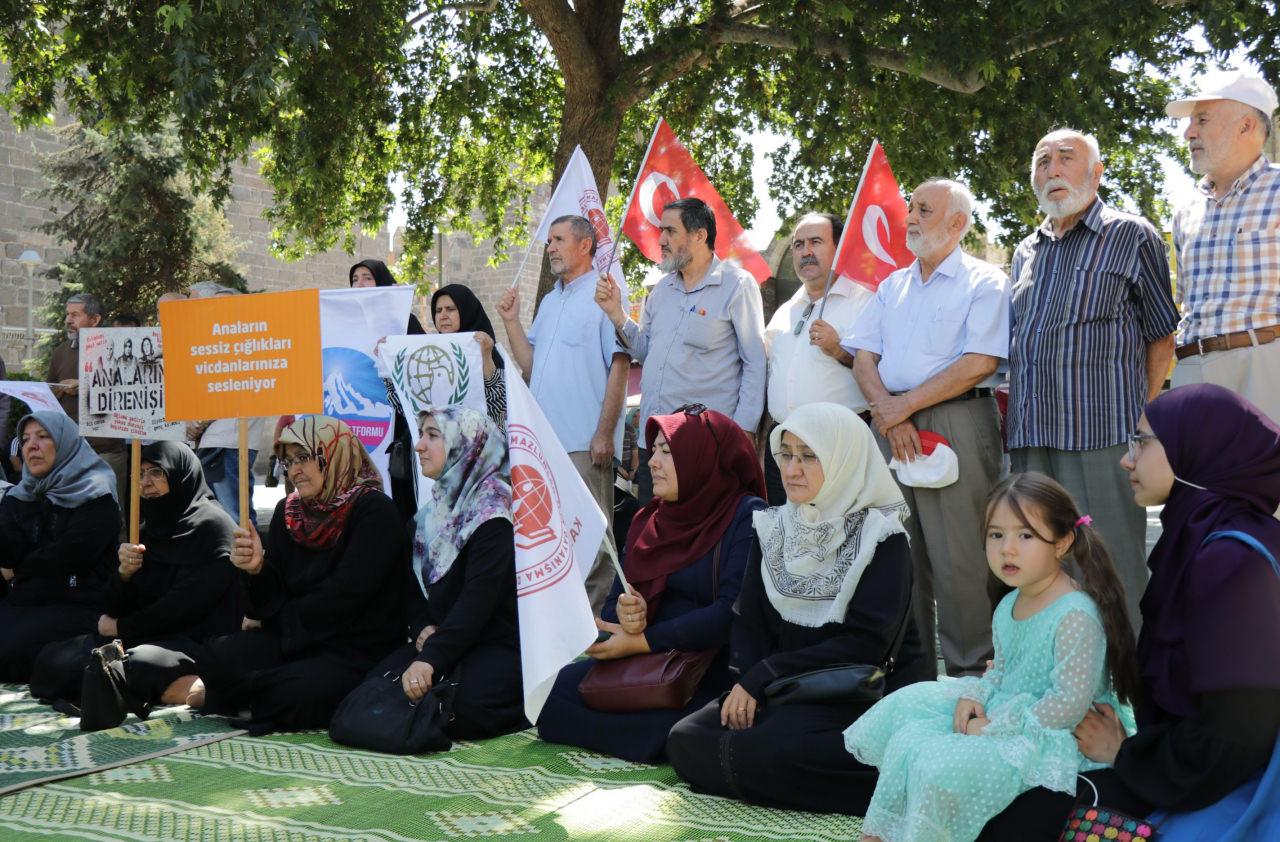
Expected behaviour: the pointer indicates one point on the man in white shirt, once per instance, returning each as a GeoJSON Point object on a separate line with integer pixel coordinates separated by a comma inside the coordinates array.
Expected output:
{"type": "Point", "coordinates": [577, 371]}
{"type": "Point", "coordinates": [802, 340]}
{"type": "Point", "coordinates": [928, 349]}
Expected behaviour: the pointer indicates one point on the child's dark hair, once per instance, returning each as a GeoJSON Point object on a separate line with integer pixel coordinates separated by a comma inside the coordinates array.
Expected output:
{"type": "Point", "coordinates": [1053, 504]}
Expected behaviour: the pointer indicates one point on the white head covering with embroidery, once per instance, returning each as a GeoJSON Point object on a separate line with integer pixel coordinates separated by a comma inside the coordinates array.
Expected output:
{"type": "Point", "coordinates": [814, 554]}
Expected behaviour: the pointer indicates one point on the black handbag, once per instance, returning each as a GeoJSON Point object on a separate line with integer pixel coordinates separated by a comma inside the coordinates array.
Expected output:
{"type": "Point", "coordinates": [105, 699]}
{"type": "Point", "coordinates": [378, 716]}
{"type": "Point", "coordinates": [842, 683]}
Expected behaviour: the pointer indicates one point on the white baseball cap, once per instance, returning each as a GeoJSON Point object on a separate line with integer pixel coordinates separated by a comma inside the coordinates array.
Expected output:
{"type": "Point", "coordinates": [1245, 88]}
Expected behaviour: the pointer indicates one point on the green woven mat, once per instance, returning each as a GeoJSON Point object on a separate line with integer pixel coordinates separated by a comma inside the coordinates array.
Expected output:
{"type": "Point", "coordinates": [38, 744]}
{"type": "Point", "coordinates": [304, 787]}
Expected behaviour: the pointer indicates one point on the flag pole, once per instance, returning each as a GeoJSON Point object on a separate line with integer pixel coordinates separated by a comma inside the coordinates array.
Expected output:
{"type": "Point", "coordinates": [831, 275]}
{"type": "Point", "coordinates": [635, 182]}
{"type": "Point", "coordinates": [135, 467]}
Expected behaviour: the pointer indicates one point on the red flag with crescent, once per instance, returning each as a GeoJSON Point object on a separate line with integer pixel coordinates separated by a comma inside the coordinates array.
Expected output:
{"type": "Point", "coordinates": [668, 172]}
{"type": "Point", "coordinates": [874, 243]}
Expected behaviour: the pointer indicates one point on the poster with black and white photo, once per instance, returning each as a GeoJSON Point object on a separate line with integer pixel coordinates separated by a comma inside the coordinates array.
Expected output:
{"type": "Point", "coordinates": [122, 385]}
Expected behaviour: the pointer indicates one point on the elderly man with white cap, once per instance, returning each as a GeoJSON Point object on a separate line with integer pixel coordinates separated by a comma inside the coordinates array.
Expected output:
{"type": "Point", "coordinates": [1228, 245]}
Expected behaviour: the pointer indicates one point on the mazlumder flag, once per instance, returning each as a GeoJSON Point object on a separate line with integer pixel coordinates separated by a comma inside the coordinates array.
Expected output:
{"type": "Point", "coordinates": [668, 172]}
{"type": "Point", "coordinates": [874, 243]}
{"type": "Point", "coordinates": [577, 194]}
{"type": "Point", "coordinates": [558, 531]}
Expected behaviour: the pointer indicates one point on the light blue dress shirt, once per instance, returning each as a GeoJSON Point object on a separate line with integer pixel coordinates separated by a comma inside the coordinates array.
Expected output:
{"type": "Point", "coordinates": [573, 346]}
{"type": "Point", "coordinates": [704, 345]}
{"type": "Point", "coordinates": [919, 329]}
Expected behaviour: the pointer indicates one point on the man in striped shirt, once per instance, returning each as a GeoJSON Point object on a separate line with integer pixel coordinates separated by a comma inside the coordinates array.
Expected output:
{"type": "Point", "coordinates": [1092, 338]}
{"type": "Point", "coordinates": [1228, 245]}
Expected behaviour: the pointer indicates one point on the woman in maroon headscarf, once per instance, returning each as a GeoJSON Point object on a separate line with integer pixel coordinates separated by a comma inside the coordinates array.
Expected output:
{"type": "Point", "coordinates": [706, 485]}
{"type": "Point", "coordinates": [1209, 650]}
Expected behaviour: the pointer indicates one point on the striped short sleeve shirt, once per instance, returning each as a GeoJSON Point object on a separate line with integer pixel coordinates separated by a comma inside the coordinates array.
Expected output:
{"type": "Point", "coordinates": [1229, 256]}
{"type": "Point", "coordinates": [1085, 306]}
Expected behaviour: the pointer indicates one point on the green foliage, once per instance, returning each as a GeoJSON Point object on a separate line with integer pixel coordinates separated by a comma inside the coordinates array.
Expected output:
{"type": "Point", "coordinates": [461, 105]}
{"type": "Point", "coordinates": [133, 224]}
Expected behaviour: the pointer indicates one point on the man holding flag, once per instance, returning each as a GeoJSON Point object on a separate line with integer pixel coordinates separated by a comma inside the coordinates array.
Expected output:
{"type": "Point", "coordinates": [701, 331]}
{"type": "Point", "coordinates": [577, 372]}
{"type": "Point", "coordinates": [806, 362]}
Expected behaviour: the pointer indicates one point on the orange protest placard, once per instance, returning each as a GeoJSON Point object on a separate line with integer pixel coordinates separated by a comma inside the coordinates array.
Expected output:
{"type": "Point", "coordinates": [242, 356]}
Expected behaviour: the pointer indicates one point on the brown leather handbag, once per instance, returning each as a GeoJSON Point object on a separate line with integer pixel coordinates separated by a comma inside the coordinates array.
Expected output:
{"type": "Point", "coordinates": [654, 680]}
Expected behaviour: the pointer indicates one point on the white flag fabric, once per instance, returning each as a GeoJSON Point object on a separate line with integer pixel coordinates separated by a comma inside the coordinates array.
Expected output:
{"type": "Point", "coordinates": [122, 385]}
{"type": "Point", "coordinates": [558, 529]}
{"type": "Point", "coordinates": [38, 396]}
{"type": "Point", "coordinates": [352, 322]}
{"type": "Point", "coordinates": [577, 194]}
{"type": "Point", "coordinates": [435, 369]}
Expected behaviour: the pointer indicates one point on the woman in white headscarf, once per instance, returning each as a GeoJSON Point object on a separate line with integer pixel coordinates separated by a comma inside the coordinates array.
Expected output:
{"type": "Point", "coordinates": [832, 587]}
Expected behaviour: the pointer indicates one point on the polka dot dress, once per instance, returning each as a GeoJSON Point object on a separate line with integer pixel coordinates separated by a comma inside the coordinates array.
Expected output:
{"type": "Point", "coordinates": [937, 785]}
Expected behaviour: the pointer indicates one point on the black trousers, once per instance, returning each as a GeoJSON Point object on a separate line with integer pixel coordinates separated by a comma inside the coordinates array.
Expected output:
{"type": "Point", "coordinates": [26, 629]}
{"type": "Point", "coordinates": [489, 701]}
{"type": "Point", "coordinates": [1041, 814]}
{"type": "Point", "coordinates": [59, 668]}
{"type": "Point", "coordinates": [794, 757]}
{"type": "Point", "coordinates": [246, 672]}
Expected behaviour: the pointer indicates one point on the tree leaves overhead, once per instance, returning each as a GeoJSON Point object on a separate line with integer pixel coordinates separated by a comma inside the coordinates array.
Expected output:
{"type": "Point", "coordinates": [462, 106]}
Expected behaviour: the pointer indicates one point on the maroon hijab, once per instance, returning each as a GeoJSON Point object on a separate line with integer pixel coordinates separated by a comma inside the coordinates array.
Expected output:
{"type": "Point", "coordinates": [716, 466]}
{"type": "Point", "coordinates": [1211, 615]}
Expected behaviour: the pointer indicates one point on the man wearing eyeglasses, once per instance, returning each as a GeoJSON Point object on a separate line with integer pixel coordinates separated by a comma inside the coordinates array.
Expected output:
{"type": "Point", "coordinates": [929, 349]}
{"type": "Point", "coordinates": [802, 340]}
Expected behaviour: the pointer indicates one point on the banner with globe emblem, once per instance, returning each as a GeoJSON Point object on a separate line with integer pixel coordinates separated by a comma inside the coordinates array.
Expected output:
{"type": "Point", "coordinates": [352, 324]}
{"type": "Point", "coordinates": [434, 370]}
{"type": "Point", "coordinates": [558, 531]}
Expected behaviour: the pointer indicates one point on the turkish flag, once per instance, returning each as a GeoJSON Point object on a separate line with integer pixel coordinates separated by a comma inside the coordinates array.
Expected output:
{"type": "Point", "coordinates": [668, 172]}
{"type": "Point", "coordinates": [874, 243]}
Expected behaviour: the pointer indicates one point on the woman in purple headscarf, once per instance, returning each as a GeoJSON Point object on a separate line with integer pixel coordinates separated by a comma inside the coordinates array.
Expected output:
{"type": "Point", "coordinates": [1209, 650]}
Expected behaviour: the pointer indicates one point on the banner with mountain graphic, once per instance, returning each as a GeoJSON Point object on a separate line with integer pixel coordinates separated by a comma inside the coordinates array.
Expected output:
{"type": "Point", "coordinates": [352, 324]}
{"type": "Point", "coordinates": [436, 369]}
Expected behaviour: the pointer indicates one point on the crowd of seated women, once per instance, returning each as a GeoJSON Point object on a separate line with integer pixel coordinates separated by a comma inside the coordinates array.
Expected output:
{"type": "Point", "coordinates": [277, 632]}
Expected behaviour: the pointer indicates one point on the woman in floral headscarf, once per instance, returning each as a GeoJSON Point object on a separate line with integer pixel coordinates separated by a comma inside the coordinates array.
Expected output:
{"type": "Point", "coordinates": [463, 618]}
{"type": "Point", "coordinates": [323, 595]}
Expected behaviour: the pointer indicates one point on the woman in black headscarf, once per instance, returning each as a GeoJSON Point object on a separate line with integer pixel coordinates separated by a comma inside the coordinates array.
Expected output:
{"type": "Point", "coordinates": [374, 273]}
{"type": "Point", "coordinates": [177, 583]}
{"type": "Point", "coordinates": [1209, 650]}
{"type": "Point", "coordinates": [58, 532]}
{"type": "Point", "coordinates": [404, 483]}
{"type": "Point", "coordinates": [455, 309]}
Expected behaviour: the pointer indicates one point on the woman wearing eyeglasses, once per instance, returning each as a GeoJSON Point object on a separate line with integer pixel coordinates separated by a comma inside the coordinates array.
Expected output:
{"type": "Point", "coordinates": [828, 585]}
{"type": "Point", "coordinates": [1209, 649]}
{"type": "Point", "coordinates": [325, 595]}
{"type": "Point", "coordinates": [685, 555]}
{"type": "Point", "coordinates": [176, 584]}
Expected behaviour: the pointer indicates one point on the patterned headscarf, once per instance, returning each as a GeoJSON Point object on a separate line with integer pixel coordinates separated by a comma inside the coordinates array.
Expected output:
{"type": "Point", "coordinates": [814, 554]}
{"type": "Point", "coordinates": [78, 474]}
{"type": "Point", "coordinates": [473, 487]}
{"type": "Point", "coordinates": [348, 471]}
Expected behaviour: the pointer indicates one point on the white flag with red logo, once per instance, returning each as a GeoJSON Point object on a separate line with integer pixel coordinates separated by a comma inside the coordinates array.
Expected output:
{"type": "Point", "coordinates": [558, 531]}
{"type": "Point", "coordinates": [668, 172]}
{"type": "Point", "coordinates": [577, 194]}
{"type": "Point", "coordinates": [874, 242]}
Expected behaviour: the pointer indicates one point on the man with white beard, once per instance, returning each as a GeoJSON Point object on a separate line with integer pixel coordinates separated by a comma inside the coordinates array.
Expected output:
{"type": "Point", "coordinates": [1093, 323]}
{"type": "Point", "coordinates": [928, 349]}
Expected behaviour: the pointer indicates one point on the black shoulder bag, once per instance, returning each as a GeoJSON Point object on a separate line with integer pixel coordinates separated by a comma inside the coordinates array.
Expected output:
{"type": "Point", "coordinates": [378, 716]}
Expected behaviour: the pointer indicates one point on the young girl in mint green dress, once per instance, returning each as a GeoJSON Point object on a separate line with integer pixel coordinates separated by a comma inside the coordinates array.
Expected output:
{"type": "Point", "coordinates": [953, 753]}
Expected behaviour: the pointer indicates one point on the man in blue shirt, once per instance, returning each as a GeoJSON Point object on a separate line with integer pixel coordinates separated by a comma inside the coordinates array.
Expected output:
{"type": "Point", "coordinates": [577, 371]}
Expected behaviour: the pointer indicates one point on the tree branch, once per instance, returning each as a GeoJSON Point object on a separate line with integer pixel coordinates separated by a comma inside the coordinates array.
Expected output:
{"type": "Point", "coordinates": [574, 51]}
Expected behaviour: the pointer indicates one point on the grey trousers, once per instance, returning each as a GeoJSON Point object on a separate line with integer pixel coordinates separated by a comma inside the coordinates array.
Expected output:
{"type": "Point", "coordinates": [948, 549]}
{"type": "Point", "coordinates": [599, 482]}
{"type": "Point", "coordinates": [1101, 489]}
